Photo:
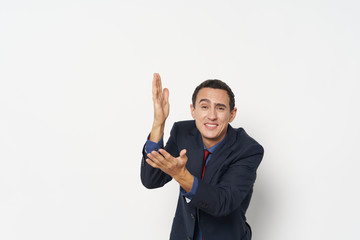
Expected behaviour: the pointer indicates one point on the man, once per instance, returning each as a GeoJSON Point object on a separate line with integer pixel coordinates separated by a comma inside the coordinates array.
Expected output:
{"type": "Point", "coordinates": [214, 164]}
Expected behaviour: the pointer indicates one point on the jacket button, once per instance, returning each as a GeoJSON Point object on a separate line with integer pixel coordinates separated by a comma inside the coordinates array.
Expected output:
{"type": "Point", "coordinates": [192, 216]}
{"type": "Point", "coordinates": [189, 238]}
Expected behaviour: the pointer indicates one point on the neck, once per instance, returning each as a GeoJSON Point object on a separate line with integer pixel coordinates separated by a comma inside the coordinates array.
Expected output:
{"type": "Point", "coordinates": [210, 143]}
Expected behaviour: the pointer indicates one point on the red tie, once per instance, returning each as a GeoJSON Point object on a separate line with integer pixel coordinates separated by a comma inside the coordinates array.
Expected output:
{"type": "Point", "coordinates": [206, 154]}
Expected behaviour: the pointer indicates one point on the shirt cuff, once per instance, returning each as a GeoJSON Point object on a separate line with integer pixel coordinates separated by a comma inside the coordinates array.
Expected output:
{"type": "Point", "coordinates": [189, 195]}
{"type": "Point", "coordinates": [151, 146]}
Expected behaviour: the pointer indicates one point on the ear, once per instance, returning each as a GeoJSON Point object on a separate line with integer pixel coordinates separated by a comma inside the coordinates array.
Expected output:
{"type": "Point", "coordinates": [192, 109]}
{"type": "Point", "coordinates": [233, 114]}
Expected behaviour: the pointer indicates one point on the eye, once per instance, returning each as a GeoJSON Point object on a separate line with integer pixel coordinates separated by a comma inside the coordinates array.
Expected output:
{"type": "Point", "coordinates": [221, 108]}
{"type": "Point", "coordinates": [204, 107]}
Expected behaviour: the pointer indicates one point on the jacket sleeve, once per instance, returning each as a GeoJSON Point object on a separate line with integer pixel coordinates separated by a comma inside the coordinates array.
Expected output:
{"type": "Point", "coordinates": [233, 188]}
{"type": "Point", "coordinates": [154, 177]}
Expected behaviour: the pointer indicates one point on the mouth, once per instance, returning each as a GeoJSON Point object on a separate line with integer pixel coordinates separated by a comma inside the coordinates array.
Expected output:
{"type": "Point", "coordinates": [210, 126]}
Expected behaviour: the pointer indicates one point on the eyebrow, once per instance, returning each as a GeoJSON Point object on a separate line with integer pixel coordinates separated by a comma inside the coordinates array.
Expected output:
{"type": "Point", "coordinates": [204, 100]}
{"type": "Point", "coordinates": [208, 101]}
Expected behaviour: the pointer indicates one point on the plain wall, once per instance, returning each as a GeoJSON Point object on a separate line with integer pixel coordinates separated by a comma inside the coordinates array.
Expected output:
{"type": "Point", "coordinates": [76, 108]}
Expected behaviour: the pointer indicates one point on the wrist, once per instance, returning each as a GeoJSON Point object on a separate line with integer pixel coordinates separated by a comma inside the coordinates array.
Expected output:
{"type": "Point", "coordinates": [158, 125]}
{"type": "Point", "coordinates": [181, 175]}
{"type": "Point", "coordinates": [185, 179]}
{"type": "Point", "coordinates": [157, 132]}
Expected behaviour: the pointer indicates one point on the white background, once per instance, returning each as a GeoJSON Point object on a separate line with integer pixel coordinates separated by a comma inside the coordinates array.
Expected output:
{"type": "Point", "coordinates": [75, 106]}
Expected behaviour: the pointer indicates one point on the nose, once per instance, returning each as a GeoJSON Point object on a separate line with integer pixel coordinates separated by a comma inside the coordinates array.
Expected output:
{"type": "Point", "coordinates": [212, 114]}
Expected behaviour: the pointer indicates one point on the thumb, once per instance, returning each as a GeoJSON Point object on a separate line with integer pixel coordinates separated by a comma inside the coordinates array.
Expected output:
{"type": "Point", "coordinates": [166, 94]}
{"type": "Point", "coordinates": [183, 153]}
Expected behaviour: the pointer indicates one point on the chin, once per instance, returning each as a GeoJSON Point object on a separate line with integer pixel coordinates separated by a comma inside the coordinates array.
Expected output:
{"type": "Point", "coordinates": [211, 137]}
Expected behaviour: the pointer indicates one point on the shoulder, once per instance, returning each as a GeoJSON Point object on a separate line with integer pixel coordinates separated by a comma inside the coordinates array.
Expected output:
{"type": "Point", "coordinates": [185, 134]}
{"type": "Point", "coordinates": [185, 125]}
{"type": "Point", "coordinates": [242, 141]}
{"type": "Point", "coordinates": [184, 128]}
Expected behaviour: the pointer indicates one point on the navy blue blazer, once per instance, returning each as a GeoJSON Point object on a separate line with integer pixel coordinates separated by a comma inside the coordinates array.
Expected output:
{"type": "Point", "coordinates": [224, 194]}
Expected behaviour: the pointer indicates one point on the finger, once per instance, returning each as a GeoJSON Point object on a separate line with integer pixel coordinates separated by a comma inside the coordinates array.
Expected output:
{"type": "Point", "coordinates": [154, 84]}
{"type": "Point", "coordinates": [151, 163]}
{"type": "Point", "coordinates": [166, 95]}
{"type": "Point", "coordinates": [157, 158]}
{"type": "Point", "coordinates": [166, 155]}
{"type": "Point", "coordinates": [159, 84]}
{"type": "Point", "coordinates": [183, 153]}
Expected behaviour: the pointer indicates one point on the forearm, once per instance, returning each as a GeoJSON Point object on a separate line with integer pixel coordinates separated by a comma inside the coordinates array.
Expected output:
{"type": "Point", "coordinates": [157, 132]}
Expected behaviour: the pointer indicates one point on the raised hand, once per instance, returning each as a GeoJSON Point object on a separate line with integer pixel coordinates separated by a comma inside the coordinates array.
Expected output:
{"type": "Point", "coordinates": [160, 100]}
{"type": "Point", "coordinates": [161, 108]}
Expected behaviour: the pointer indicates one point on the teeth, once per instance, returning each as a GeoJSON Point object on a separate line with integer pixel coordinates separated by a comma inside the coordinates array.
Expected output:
{"type": "Point", "coordinates": [211, 125]}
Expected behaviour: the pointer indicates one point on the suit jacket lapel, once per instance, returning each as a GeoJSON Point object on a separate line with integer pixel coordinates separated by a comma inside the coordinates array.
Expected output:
{"type": "Point", "coordinates": [195, 155]}
{"type": "Point", "coordinates": [220, 155]}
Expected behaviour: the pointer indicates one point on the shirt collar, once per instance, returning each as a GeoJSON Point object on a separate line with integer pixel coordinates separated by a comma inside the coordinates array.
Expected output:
{"type": "Point", "coordinates": [213, 148]}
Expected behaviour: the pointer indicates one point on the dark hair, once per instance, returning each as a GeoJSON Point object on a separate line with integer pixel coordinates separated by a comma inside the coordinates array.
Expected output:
{"type": "Point", "coordinates": [216, 84]}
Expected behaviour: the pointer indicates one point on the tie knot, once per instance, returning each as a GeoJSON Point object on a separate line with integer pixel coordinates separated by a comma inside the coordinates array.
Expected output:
{"type": "Point", "coordinates": [206, 154]}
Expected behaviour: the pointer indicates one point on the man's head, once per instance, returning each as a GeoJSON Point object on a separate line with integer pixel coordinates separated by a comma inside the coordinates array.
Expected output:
{"type": "Point", "coordinates": [213, 108]}
{"type": "Point", "coordinates": [216, 84]}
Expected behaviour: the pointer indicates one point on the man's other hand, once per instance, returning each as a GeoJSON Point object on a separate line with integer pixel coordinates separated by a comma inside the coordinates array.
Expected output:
{"type": "Point", "coordinates": [175, 167]}
{"type": "Point", "coordinates": [161, 108]}
{"type": "Point", "coordinates": [160, 100]}
{"type": "Point", "coordinates": [167, 163]}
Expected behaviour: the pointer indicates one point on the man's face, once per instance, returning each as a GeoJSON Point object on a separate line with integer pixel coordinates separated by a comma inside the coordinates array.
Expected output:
{"type": "Point", "coordinates": [212, 114]}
